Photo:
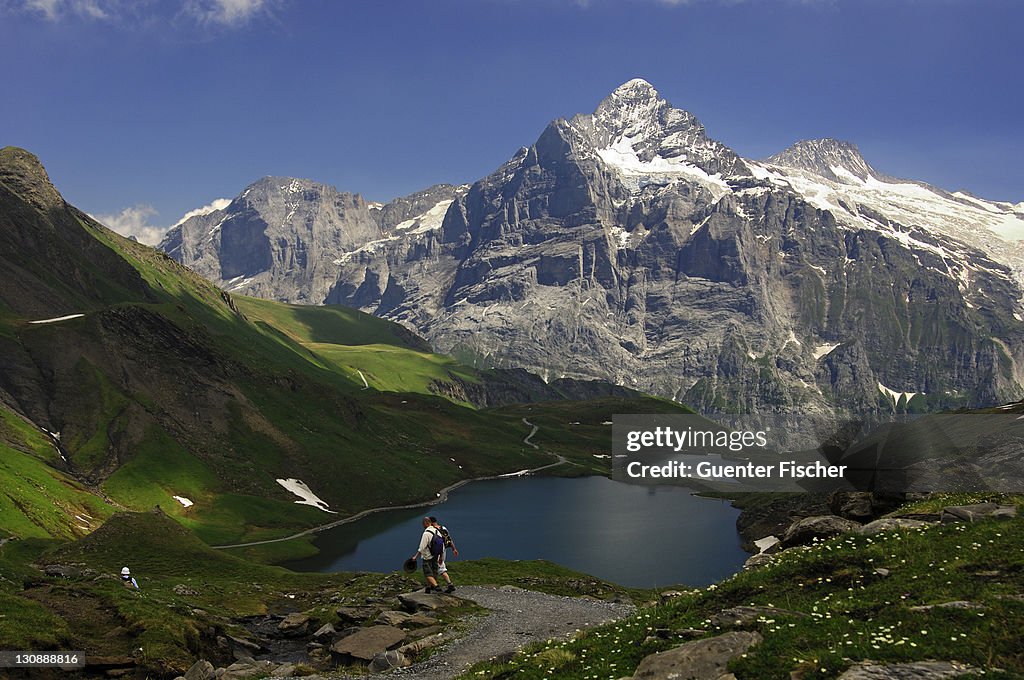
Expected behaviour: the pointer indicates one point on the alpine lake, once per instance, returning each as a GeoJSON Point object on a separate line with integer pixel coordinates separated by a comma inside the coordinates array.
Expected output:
{"type": "Point", "coordinates": [633, 535]}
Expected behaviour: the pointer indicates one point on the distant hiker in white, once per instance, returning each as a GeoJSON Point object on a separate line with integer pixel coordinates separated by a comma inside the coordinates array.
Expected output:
{"type": "Point", "coordinates": [127, 579]}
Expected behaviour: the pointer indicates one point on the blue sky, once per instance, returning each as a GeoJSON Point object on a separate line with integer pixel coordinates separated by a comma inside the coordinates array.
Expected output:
{"type": "Point", "coordinates": [144, 109]}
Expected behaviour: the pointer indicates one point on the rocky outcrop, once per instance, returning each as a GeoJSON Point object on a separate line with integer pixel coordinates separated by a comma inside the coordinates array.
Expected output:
{"type": "Point", "coordinates": [278, 239]}
{"type": "Point", "coordinates": [808, 529]}
{"type": "Point", "coordinates": [367, 643]}
{"type": "Point", "coordinates": [978, 511]}
{"type": "Point", "coordinates": [698, 660]}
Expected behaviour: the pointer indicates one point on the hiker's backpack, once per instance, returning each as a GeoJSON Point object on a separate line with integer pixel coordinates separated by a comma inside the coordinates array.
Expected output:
{"type": "Point", "coordinates": [447, 538]}
{"type": "Point", "coordinates": [436, 544]}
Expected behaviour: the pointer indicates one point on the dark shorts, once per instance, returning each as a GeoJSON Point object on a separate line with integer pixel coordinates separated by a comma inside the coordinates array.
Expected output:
{"type": "Point", "coordinates": [430, 567]}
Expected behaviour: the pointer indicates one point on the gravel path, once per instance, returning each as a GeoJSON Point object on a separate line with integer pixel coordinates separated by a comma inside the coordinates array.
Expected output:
{"type": "Point", "coordinates": [516, 619]}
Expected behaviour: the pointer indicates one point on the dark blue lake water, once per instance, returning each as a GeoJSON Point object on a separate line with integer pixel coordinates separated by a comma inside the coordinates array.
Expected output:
{"type": "Point", "coordinates": [629, 534]}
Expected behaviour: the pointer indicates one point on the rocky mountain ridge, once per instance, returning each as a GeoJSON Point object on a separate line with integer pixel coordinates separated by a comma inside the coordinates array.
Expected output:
{"type": "Point", "coordinates": [629, 246]}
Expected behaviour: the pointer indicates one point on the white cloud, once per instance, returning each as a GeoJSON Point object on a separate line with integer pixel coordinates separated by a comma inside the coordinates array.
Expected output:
{"type": "Point", "coordinates": [225, 12]}
{"type": "Point", "coordinates": [54, 10]}
{"type": "Point", "coordinates": [218, 204]}
{"type": "Point", "coordinates": [134, 221]}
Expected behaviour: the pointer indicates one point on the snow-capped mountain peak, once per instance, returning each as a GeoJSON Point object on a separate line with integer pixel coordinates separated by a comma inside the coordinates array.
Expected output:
{"type": "Point", "coordinates": [641, 136]}
{"type": "Point", "coordinates": [832, 159]}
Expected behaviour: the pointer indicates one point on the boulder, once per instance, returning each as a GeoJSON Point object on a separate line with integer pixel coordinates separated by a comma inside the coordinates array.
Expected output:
{"type": "Point", "coordinates": [697, 660]}
{"type": "Point", "coordinates": [977, 511]}
{"type": "Point", "coordinates": [286, 670]}
{"type": "Point", "coordinates": [61, 571]}
{"type": "Point", "coordinates": [247, 669]}
{"type": "Point", "coordinates": [294, 624]}
{"type": "Point", "coordinates": [393, 618]}
{"type": "Point", "coordinates": [855, 505]}
{"type": "Point", "coordinates": [367, 643]}
{"type": "Point", "coordinates": [385, 661]}
{"type": "Point", "coordinates": [200, 670]}
{"type": "Point", "coordinates": [420, 601]}
{"type": "Point", "coordinates": [241, 644]}
{"type": "Point", "coordinates": [325, 631]}
{"type": "Point", "coordinates": [921, 670]}
{"type": "Point", "coordinates": [744, 615]}
{"type": "Point", "coordinates": [758, 560]}
{"type": "Point", "coordinates": [356, 614]}
{"type": "Point", "coordinates": [891, 524]}
{"type": "Point", "coordinates": [807, 529]}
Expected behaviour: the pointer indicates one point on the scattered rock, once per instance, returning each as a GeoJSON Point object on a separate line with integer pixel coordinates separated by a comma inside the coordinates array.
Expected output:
{"type": "Point", "coordinates": [246, 669]}
{"type": "Point", "coordinates": [758, 560]}
{"type": "Point", "coordinates": [956, 604]}
{"type": "Point", "coordinates": [891, 524]}
{"type": "Point", "coordinates": [427, 602]}
{"type": "Point", "coordinates": [325, 631]}
{"type": "Point", "coordinates": [743, 616]}
{"type": "Point", "coordinates": [855, 505]}
{"type": "Point", "coordinates": [200, 670]}
{"type": "Point", "coordinates": [356, 614]}
{"type": "Point", "coordinates": [977, 511]}
{"type": "Point", "coordinates": [921, 670]}
{"type": "Point", "coordinates": [294, 624]}
{"type": "Point", "coordinates": [882, 571]}
{"type": "Point", "coordinates": [184, 590]}
{"type": "Point", "coordinates": [367, 643]}
{"type": "Point", "coordinates": [286, 670]}
{"type": "Point", "coordinates": [61, 571]}
{"type": "Point", "coordinates": [670, 595]}
{"type": "Point", "coordinates": [392, 618]}
{"type": "Point", "coordinates": [242, 643]}
{"type": "Point", "coordinates": [697, 660]}
{"type": "Point", "coordinates": [809, 528]}
{"type": "Point", "coordinates": [385, 661]}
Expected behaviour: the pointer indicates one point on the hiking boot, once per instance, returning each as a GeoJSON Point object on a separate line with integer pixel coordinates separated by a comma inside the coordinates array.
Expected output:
{"type": "Point", "coordinates": [429, 589]}
{"type": "Point", "coordinates": [450, 588]}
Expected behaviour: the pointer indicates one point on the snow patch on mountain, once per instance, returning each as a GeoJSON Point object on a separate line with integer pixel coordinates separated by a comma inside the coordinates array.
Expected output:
{"type": "Point", "coordinates": [858, 203]}
{"type": "Point", "coordinates": [823, 350]}
{"type": "Point", "coordinates": [299, 488]}
{"type": "Point", "coordinates": [895, 396]}
{"type": "Point", "coordinates": [428, 221]}
{"type": "Point", "coordinates": [623, 157]}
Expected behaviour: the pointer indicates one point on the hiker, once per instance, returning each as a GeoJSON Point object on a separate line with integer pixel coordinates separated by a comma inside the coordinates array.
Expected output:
{"type": "Point", "coordinates": [127, 579]}
{"type": "Point", "coordinates": [442, 569]}
{"type": "Point", "coordinates": [430, 537]}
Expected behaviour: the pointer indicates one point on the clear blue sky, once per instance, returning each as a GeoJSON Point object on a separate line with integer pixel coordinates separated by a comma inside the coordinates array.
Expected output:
{"type": "Point", "coordinates": [163, 106]}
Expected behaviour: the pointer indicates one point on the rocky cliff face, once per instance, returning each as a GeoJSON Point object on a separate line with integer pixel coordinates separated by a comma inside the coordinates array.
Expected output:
{"type": "Point", "coordinates": [627, 245]}
{"type": "Point", "coordinates": [277, 239]}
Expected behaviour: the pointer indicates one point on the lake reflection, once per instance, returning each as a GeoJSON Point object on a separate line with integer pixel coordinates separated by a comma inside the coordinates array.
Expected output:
{"type": "Point", "coordinates": [629, 534]}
